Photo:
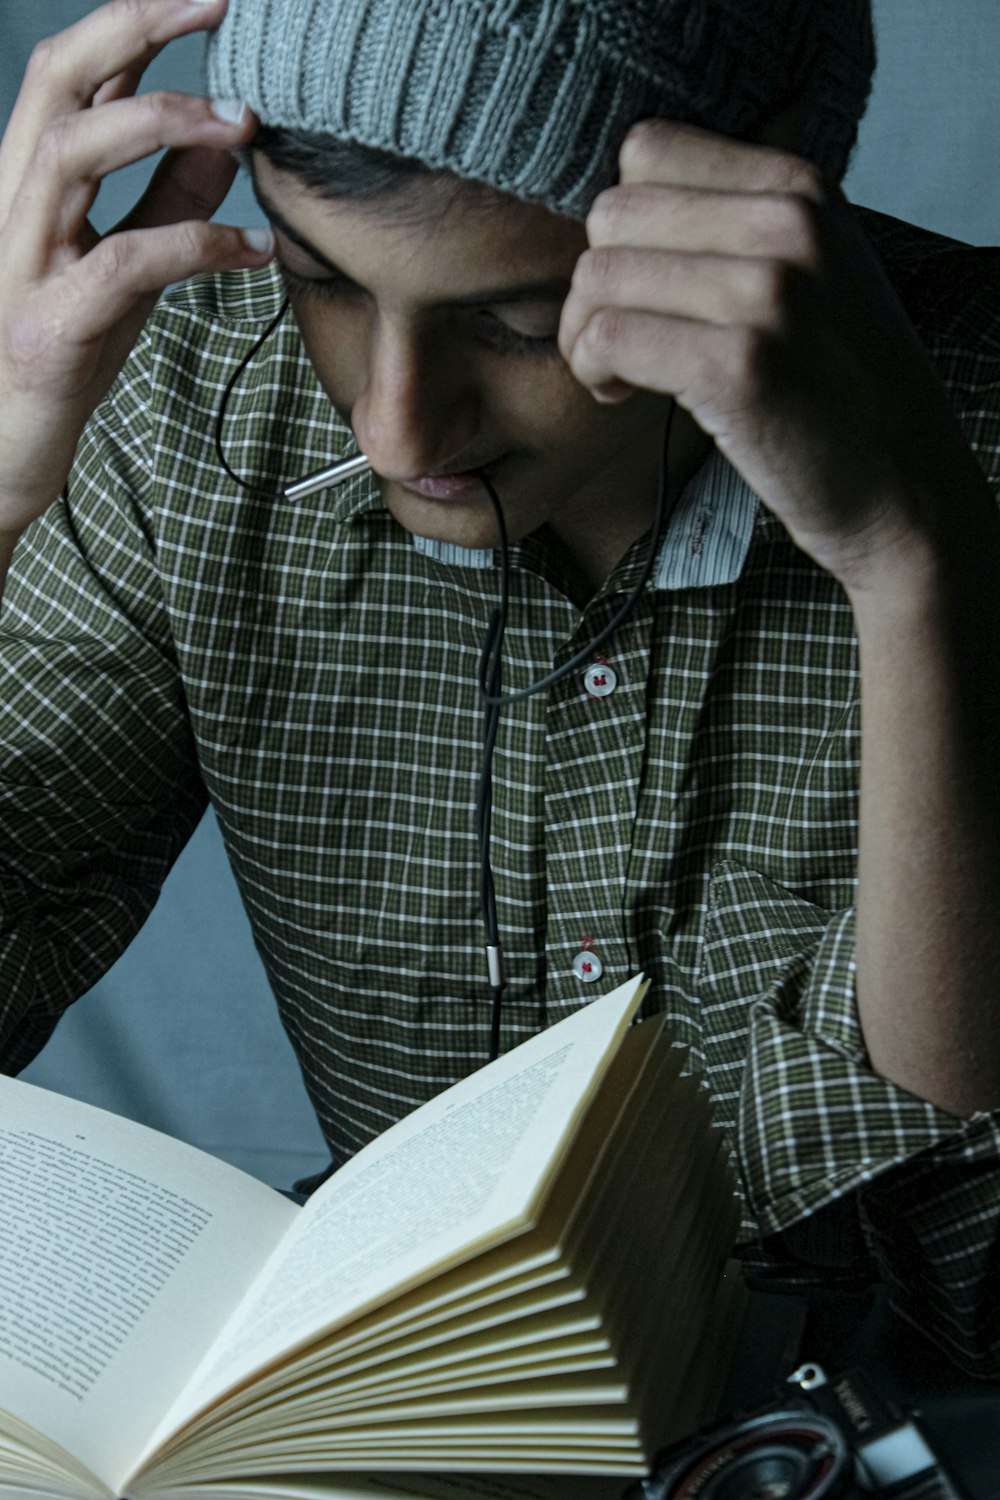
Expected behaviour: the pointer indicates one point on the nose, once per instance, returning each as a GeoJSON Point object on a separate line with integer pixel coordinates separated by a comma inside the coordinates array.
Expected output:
{"type": "Point", "coordinates": [418, 413]}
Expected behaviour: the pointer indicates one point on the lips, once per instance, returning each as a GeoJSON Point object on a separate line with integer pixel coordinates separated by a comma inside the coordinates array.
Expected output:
{"type": "Point", "coordinates": [464, 484]}
{"type": "Point", "coordinates": [446, 486]}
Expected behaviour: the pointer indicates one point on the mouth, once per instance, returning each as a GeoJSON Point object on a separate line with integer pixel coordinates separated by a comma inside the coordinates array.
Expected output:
{"type": "Point", "coordinates": [464, 485]}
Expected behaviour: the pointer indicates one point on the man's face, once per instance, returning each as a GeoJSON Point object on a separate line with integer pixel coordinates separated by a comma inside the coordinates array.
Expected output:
{"type": "Point", "coordinates": [431, 319]}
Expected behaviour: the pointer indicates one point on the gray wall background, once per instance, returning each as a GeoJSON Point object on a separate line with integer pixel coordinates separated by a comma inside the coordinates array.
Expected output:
{"type": "Point", "coordinates": [182, 1033]}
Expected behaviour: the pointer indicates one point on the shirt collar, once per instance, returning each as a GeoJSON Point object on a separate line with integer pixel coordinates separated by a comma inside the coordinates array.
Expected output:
{"type": "Point", "coordinates": [709, 534]}
{"type": "Point", "coordinates": [707, 538]}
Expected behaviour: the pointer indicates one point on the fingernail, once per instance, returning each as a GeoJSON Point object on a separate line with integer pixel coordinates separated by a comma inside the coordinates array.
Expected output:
{"type": "Point", "coordinates": [233, 111]}
{"type": "Point", "coordinates": [613, 393]}
{"type": "Point", "coordinates": [261, 240]}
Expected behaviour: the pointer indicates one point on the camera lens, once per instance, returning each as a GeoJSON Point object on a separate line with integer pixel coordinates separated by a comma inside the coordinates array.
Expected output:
{"type": "Point", "coordinates": [772, 1473]}
{"type": "Point", "coordinates": [789, 1455]}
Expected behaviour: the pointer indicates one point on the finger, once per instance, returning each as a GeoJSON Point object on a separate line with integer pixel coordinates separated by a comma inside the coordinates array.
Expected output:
{"type": "Point", "coordinates": [671, 356]}
{"type": "Point", "coordinates": [666, 152]}
{"type": "Point", "coordinates": [187, 184]}
{"type": "Point", "coordinates": [705, 288]}
{"type": "Point", "coordinates": [123, 86]}
{"type": "Point", "coordinates": [698, 220]}
{"type": "Point", "coordinates": [105, 286]}
{"type": "Point", "coordinates": [613, 392]}
{"type": "Point", "coordinates": [69, 68]}
{"type": "Point", "coordinates": [78, 151]}
{"type": "Point", "coordinates": [67, 71]}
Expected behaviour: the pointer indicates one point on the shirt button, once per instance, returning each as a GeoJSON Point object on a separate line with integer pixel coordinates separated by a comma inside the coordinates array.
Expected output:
{"type": "Point", "coordinates": [587, 966]}
{"type": "Point", "coordinates": [600, 680]}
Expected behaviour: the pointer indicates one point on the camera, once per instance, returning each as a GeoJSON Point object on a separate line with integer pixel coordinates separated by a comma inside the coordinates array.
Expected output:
{"type": "Point", "coordinates": [823, 1437]}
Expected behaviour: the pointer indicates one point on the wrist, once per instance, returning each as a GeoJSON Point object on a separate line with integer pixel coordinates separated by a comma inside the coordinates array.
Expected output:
{"type": "Point", "coordinates": [913, 570]}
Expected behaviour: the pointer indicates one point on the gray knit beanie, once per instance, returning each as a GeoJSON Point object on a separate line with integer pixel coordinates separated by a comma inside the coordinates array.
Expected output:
{"type": "Point", "coordinates": [535, 96]}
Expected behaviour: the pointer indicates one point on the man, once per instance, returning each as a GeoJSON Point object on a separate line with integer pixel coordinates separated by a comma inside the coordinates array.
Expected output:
{"type": "Point", "coordinates": [576, 214]}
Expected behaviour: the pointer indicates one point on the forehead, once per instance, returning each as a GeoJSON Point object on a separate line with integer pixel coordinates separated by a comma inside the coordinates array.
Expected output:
{"type": "Point", "coordinates": [436, 232]}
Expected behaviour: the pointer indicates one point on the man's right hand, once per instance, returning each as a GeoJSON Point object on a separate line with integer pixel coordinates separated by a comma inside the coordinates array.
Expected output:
{"type": "Point", "coordinates": [72, 304]}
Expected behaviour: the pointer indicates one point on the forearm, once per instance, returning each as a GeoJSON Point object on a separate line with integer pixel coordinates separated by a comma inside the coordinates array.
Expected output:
{"type": "Point", "coordinates": [928, 950]}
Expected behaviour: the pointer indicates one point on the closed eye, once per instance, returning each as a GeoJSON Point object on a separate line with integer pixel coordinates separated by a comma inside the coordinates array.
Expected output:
{"type": "Point", "coordinates": [515, 340]}
{"type": "Point", "coordinates": [326, 287]}
{"type": "Point", "coordinates": [487, 324]}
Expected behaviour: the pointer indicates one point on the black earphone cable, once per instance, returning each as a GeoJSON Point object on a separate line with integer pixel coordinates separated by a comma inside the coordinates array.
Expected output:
{"type": "Point", "coordinates": [220, 416]}
{"type": "Point", "coordinates": [484, 804]}
{"type": "Point", "coordinates": [498, 619]}
{"type": "Point", "coordinates": [490, 666]}
{"type": "Point", "coordinates": [490, 660]}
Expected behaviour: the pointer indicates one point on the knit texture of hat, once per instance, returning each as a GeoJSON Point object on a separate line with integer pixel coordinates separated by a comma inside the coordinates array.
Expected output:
{"type": "Point", "coordinates": [535, 96]}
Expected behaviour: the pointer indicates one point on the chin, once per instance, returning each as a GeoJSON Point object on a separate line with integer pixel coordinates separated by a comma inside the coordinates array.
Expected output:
{"type": "Point", "coordinates": [463, 523]}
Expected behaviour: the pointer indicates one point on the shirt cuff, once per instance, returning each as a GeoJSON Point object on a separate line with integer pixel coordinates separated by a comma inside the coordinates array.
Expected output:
{"type": "Point", "coordinates": [815, 1121]}
{"type": "Point", "coordinates": [933, 1225]}
{"type": "Point", "coordinates": [811, 1119]}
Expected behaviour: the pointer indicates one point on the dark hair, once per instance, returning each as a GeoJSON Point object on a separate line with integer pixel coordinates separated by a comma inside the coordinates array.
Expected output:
{"type": "Point", "coordinates": [336, 168]}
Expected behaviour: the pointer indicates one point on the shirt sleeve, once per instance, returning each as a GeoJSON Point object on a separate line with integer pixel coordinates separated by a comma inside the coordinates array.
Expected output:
{"type": "Point", "coordinates": [844, 1171]}
{"type": "Point", "coordinates": [99, 784]}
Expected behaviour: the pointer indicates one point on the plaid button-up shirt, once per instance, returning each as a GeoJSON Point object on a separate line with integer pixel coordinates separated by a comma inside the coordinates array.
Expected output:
{"type": "Point", "coordinates": [311, 669]}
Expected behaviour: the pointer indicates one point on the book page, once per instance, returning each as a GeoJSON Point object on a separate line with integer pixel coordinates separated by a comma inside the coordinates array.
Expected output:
{"type": "Point", "coordinates": [396, 1486]}
{"type": "Point", "coordinates": [122, 1252]}
{"type": "Point", "coordinates": [457, 1175]}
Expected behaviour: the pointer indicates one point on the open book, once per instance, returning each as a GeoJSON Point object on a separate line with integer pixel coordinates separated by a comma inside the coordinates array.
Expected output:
{"type": "Point", "coordinates": [526, 1276]}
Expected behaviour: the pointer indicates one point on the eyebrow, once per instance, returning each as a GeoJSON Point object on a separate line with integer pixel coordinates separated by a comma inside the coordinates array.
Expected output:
{"type": "Point", "coordinates": [554, 289]}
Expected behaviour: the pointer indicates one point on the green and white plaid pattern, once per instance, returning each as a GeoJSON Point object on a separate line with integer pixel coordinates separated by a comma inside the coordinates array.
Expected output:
{"type": "Point", "coordinates": [167, 638]}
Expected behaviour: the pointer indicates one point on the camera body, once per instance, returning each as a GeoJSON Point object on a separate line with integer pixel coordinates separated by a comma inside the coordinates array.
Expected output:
{"type": "Point", "coordinates": [824, 1438]}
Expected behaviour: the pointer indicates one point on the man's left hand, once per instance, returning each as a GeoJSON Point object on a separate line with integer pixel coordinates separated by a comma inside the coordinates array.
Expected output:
{"type": "Point", "coordinates": [733, 277]}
